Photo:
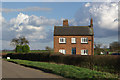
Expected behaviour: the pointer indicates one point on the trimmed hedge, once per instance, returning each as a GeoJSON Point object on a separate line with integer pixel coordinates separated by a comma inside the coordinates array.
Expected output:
{"type": "Point", "coordinates": [109, 63]}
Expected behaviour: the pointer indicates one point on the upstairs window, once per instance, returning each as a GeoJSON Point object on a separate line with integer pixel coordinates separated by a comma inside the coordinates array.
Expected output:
{"type": "Point", "coordinates": [62, 51]}
{"type": "Point", "coordinates": [62, 40]}
{"type": "Point", "coordinates": [73, 40]}
{"type": "Point", "coordinates": [84, 52]}
{"type": "Point", "coordinates": [84, 40]}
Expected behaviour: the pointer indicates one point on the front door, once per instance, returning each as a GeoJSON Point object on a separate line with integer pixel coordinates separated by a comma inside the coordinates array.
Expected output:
{"type": "Point", "coordinates": [74, 50]}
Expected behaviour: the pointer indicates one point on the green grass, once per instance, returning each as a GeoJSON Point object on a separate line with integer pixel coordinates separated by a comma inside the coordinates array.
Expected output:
{"type": "Point", "coordinates": [37, 51]}
{"type": "Point", "coordinates": [8, 51]}
{"type": "Point", "coordinates": [67, 71]}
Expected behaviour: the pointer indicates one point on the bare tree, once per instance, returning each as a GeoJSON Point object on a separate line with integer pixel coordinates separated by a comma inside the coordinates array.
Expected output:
{"type": "Point", "coordinates": [14, 42]}
{"type": "Point", "coordinates": [48, 49]}
{"type": "Point", "coordinates": [19, 41]}
{"type": "Point", "coordinates": [23, 41]}
{"type": "Point", "coordinates": [97, 48]}
{"type": "Point", "coordinates": [105, 48]}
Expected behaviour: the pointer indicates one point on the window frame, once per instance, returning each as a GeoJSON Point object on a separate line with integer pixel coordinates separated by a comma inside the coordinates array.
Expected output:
{"type": "Point", "coordinates": [73, 40]}
{"type": "Point", "coordinates": [84, 52]}
{"type": "Point", "coordinates": [64, 40]}
{"type": "Point", "coordinates": [84, 40]}
{"type": "Point", "coordinates": [63, 51]}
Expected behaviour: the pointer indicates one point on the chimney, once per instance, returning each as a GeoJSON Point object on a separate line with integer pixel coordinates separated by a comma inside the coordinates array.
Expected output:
{"type": "Point", "coordinates": [65, 22]}
{"type": "Point", "coordinates": [91, 22]}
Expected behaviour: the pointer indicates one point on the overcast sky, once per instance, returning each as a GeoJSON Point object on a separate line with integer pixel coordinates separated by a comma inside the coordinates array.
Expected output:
{"type": "Point", "coordinates": [36, 20]}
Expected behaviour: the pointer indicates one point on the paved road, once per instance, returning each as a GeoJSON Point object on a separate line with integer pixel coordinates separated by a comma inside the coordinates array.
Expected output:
{"type": "Point", "coordinates": [11, 70]}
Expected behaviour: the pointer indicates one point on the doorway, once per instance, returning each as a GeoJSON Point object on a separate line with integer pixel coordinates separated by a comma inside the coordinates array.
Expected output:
{"type": "Point", "coordinates": [74, 50]}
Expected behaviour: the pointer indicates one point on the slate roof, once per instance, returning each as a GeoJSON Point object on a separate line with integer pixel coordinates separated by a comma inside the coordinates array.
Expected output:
{"type": "Point", "coordinates": [73, 31]}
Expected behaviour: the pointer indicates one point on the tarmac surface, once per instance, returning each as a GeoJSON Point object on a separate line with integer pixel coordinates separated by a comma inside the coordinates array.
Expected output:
{"type": "Point", "coordinates": [12, 70]}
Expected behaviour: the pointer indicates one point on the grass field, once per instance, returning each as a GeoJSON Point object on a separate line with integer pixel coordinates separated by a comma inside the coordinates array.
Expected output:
{"type": "Point", "coordinates": [67, 71]}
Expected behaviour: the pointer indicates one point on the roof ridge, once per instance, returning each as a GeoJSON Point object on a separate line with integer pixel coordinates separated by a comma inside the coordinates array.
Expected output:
{"type": "Point", "coordinates": [71, 26]}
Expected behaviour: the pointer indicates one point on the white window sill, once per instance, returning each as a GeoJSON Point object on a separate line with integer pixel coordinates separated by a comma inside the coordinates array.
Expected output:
{"type": "Point", "coordinates": [84, 43]}
{"type": "Point", "coordinates": [73, 43]}
{"type": "Point", "coordinates": [62, 43]}
{"type": "Point", "coordinates": [84, 54]}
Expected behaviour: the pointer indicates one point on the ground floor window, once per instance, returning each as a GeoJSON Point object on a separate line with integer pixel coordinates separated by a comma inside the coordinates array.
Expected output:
{"type": "Point", "coordinates": [62, 51]}
{"type": "Point", "coordinates": [84, 52]}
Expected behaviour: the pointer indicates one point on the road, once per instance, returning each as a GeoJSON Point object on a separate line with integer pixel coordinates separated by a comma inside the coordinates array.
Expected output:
{"type": "Point", "coordinates": [11, 70]}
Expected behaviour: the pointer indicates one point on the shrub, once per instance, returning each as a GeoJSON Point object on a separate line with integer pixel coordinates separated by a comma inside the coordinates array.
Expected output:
{"type": "Point", "coordinates": [22, 49]}
{"type": "Point", "coordinates": [25, 48]}
{"type": "Point", "coordinates": [18, 49]}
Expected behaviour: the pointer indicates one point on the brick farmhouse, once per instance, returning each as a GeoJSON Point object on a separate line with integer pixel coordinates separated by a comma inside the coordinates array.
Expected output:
{"type": "Point", "coordinates": [74, 39]}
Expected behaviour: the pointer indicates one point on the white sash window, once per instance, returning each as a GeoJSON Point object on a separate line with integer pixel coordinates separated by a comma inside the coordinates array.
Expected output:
{"type": "Point", "coordinates": [62, 51]}
{"type": "Point", "coordinates": [62, 40]}
{"type": "Point", "coordinates": [84, 52]}
{"type": "Point", "coordinates": [84, 40]}
{"type": "Point", "coordinates": [73, 40]}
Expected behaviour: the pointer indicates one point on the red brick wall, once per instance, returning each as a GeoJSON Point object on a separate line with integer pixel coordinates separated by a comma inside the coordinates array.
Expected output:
{"type": "Point", "coordinates": [68, 45]}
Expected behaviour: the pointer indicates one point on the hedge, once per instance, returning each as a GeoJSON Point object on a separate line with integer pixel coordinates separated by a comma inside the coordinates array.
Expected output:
{"type": "Point", "coordinates": [109, 63]}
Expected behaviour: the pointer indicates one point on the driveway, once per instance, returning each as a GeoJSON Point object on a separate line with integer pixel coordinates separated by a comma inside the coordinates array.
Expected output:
{"type": "Point", "coordinates": [11, 70]}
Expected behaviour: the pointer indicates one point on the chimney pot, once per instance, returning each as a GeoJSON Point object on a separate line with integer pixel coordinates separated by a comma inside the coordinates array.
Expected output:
{"type": "Point", "coordinates": [91, 22]}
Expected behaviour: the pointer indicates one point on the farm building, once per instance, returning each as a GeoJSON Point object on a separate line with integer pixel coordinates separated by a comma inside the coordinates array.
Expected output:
{"type": "Point", "coordinates": [74, 39]}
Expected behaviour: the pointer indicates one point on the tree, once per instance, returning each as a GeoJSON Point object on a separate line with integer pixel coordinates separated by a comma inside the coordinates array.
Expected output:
{"type": "Point", "coordinates": [21, 44]}
{"type": "Point", "coordinates": [48, 49]}
{"type": "Point", "coordinates": [115, 46]}
{"type": "Point", "coordinates": [97, 48]}
{"type": "Point", "coordinates": [25, 48]}
{"type": "Point", "coordinates": [23, 41]}
{"type": "Point", "coordinates": [18, 49]}
{"type": "Point", "coordinates": [19, 41]}
{"type": "Point", "coordinates": [15, 42]}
